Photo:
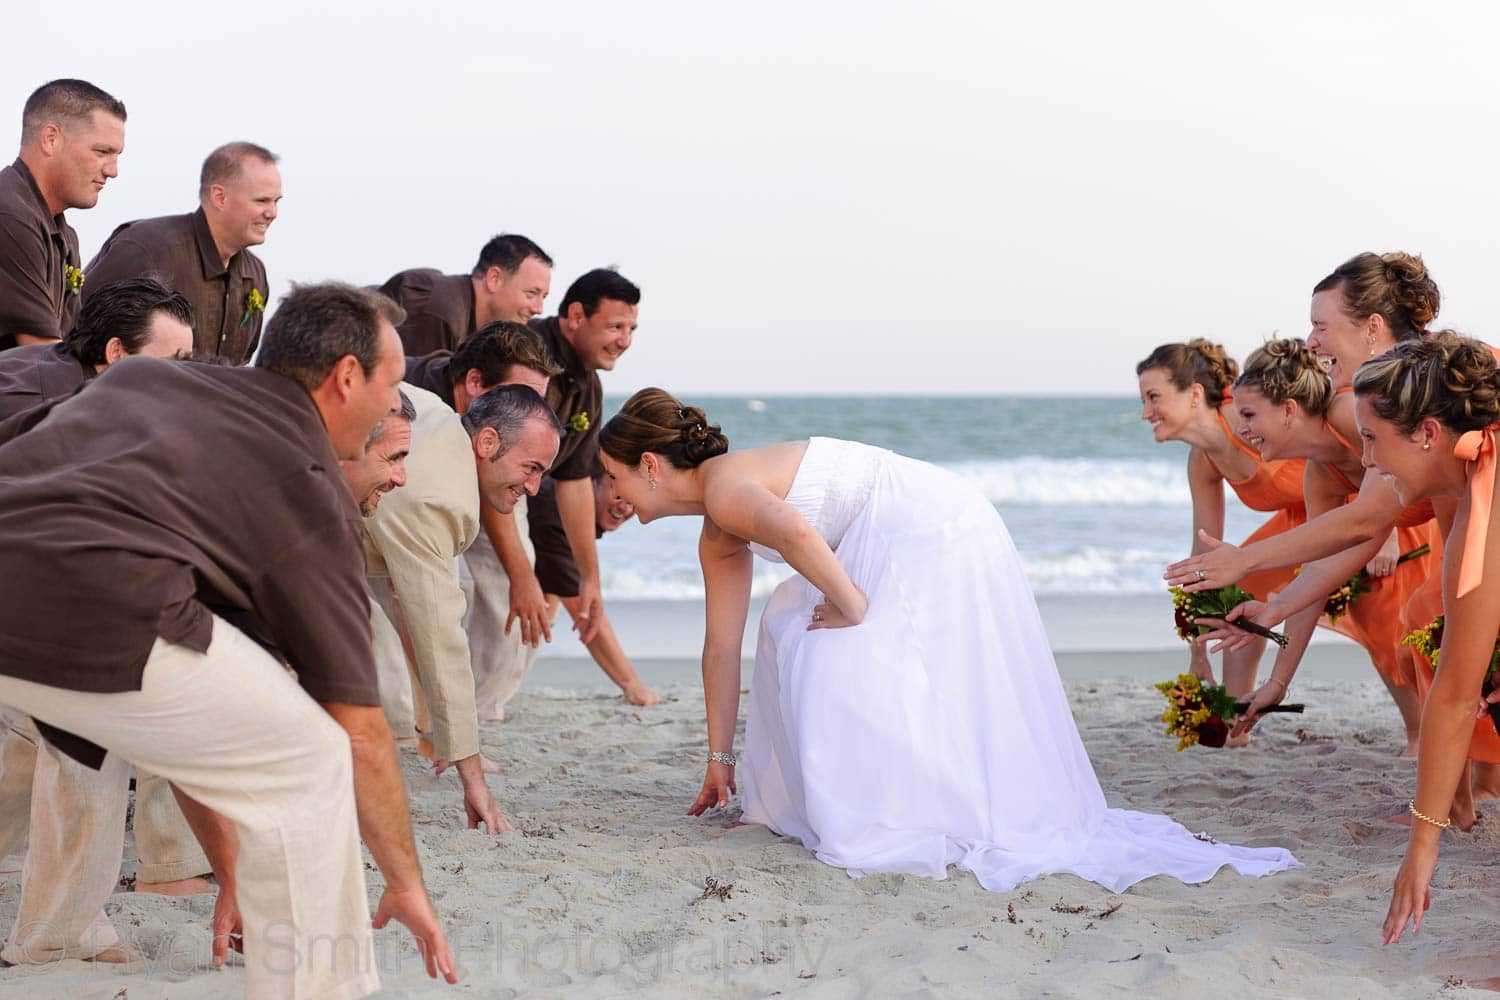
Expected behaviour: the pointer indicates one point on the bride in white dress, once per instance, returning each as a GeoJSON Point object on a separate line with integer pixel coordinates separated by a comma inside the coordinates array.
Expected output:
{"type": "Point", "coordinates": [905, 713]}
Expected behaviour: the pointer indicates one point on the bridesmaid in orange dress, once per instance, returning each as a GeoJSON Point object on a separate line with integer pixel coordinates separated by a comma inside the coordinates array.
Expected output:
{"type": "Point", "coordinates": [1185, 397]}
{"type": "Point", "coordinates": [1284, 400]}
{"type": "Point", "coordinates": [1364, 307]}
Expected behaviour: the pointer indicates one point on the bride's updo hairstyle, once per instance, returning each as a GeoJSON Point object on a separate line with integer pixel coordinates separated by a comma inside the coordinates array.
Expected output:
{"type": "Point", "coordinates": [656, 421]}
{"type": "Point", "coordinates": [1394, 285]}
{"type": "Point", "coordinates": [1448, 377]}
{"type": "Point", "coordinates": [1200, 362]}
{"type": "Point", "coordinates": [1286, 368]}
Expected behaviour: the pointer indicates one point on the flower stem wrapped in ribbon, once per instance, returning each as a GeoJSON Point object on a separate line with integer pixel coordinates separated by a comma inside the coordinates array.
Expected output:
{"type": "Point", "coordinates": [1203, 713]}
{"type": "Point", "coordinates": [1428, 640]}
{"type": "Point", "coordinates": [1217, 603]}
{"type": "Point", "coordinates": [1339, 602]}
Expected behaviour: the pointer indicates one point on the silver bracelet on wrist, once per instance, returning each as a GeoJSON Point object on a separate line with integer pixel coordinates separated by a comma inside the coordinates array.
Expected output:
{"type": "Point", "coordinates": [723, 758]}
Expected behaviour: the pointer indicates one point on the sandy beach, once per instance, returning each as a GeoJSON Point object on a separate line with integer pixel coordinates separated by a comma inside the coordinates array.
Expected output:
{"type": "Point", "coordinates": [601, 892]}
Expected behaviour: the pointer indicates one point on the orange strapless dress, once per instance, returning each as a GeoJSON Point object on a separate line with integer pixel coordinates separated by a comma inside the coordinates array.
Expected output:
{"type": "Point", "coordinates": [1425, 605]}
{"type": "Point", "coordinates": [1276, 486]}
{"type": "Point", "coordinates": [1377, 620]}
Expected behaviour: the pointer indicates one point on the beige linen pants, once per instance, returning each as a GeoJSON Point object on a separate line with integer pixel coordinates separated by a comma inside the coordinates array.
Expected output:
{"type": "Point", "coordinates": [500, 661]}
{"type": "Point", "coordinates": [231, 728]}
{"type": "Point", "coordinates": [77, 825]}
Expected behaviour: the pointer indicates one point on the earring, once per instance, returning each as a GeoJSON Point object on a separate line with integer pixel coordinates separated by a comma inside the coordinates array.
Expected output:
{"type": "Point", "coordinates": [1426, 445]}
{"type": "Point", "coordinates": [651, 481]}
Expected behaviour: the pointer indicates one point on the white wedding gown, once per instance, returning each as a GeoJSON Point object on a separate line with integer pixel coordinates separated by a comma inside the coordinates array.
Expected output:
{"type": "Point", "coordinates": [936, 732]}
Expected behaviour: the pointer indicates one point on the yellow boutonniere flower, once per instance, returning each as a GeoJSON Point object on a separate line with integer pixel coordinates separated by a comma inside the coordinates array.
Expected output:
{"type": "Point", "coordinates": [580, 422]}
{"type": "Point", "coordinates": [255, 302]}
{"type": "Point", "coordinates": [73, 279]}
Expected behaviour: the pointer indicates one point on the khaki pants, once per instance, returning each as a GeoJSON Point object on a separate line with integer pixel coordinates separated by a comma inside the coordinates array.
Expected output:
{"type": "Point", "coordinates": [76, 829]}
{"type": "Point", "coordinates": [500, 661]}
{"type": "Point", "coordinates": [231, 729]}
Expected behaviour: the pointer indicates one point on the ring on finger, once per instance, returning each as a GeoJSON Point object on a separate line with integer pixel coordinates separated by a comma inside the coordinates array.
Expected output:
{"type": "Point", "coordinates": [817, 616]}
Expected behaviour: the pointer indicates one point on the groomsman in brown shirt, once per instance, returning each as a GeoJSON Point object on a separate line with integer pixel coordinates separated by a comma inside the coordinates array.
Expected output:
{"type": "Point", "coordinates": [72, 134]}
{"type": "Point", "coordinates": [157, 663]}
{"type": "Point", "coordinates": [205, 254]}
{"type": "Point", "coordinates": [509, 282]}
{"type": "Point", "coordinates": [138, 316]}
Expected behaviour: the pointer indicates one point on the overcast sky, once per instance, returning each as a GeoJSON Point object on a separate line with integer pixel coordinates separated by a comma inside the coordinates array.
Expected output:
{"type": "Point", "coordinates": [981, 198]}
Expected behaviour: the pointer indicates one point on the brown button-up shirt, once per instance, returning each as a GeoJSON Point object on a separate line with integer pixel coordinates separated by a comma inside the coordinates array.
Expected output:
{"type": "Point", "coordinates": [37, 373]}
{"type": "Point", "coordinates": [576, 395]}
{"type": "Point", "coordinates": [179, 251]}
{"type": "Point", "coordinates": [36, 249]}
{"type": "Point", "coordinates": [168, 492]}
{"type": "Point", "coordinates": [430, 372]}
{"type": "Point", "coordinates": [439, 308]}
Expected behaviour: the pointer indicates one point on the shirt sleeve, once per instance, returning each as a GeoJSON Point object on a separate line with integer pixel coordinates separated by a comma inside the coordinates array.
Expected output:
{"type": "Point", "coordinates": [28, 302]}
{"type": "Point", "coordinates": [417, 537]}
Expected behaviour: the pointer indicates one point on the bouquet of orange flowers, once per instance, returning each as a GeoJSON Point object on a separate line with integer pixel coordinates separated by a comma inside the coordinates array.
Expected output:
{"type": "Point", "coordinates": [1428, 640]}
{"type": "Point", "coordinates": [1203, 713]}
{"type": "Point", "coordinates": [1339, 602]}
{"type": "Point", "coordinates": [1189, 607]}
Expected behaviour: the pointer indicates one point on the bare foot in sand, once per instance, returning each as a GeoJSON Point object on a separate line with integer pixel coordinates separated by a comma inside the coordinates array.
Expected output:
{"type": "Point", "coordinates": [117, 955]}
{"type": "Point", "coordinates": [1486, 780]}
{"type": "Point", "coordinates": [195, 886]}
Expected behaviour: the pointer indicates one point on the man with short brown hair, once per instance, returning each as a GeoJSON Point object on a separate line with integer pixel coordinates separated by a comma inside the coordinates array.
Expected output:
{"type": "Point", "coordinates": [72, 135]}
{"type": "Point", "coordinates": [205, 254]}
{"type": "Point", "coordinates": [258, 549]}
{"type": "Point", "coordinates": [509, 282]}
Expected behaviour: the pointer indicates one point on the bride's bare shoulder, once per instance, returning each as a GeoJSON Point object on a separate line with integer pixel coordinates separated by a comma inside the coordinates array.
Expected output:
{"type": "Point", "coordinates": [773, 466]}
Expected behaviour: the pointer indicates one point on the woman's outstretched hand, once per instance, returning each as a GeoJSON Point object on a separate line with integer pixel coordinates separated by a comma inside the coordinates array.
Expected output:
{"type": "Point", "coordinates": [1268, 694]}
{"type": "Point", "coordinates": [1413, 890]}
{"type": "Point", "coordinates": [718, 785]}
{"type": "Point", "coordinates": [1218, 566]}
{"type": "Point", "coordinates": [1227, 638]}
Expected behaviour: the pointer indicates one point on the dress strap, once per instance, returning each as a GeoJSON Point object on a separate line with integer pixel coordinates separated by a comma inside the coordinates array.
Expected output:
{"type": "Point", "coordinates": [1234, 438]}
{"type": "Point", "coordinates": [1478, 449]}
{"type": "Point", "coordinates": [1340, 438]}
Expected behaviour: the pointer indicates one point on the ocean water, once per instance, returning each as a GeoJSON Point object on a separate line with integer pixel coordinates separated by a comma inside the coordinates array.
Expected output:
{"type": "Point", "coordinates": [1094, 504]}
{"type": "Point", "coordinates": [1096, 507]}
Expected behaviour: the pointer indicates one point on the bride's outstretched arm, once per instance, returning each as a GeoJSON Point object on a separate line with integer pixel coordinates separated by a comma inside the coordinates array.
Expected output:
{"type": "Point", "coordinates": [727, 566]}
{"type": "Point", "coordinates": [751, 511]}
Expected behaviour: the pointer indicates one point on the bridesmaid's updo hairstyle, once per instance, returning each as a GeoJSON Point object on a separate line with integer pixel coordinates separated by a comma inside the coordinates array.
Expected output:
{"type": "Point", "coordinates": [1448, 377]}
{"type": "Point", "coordinates": [1286, 368]}
{"type": "Point", "coordinates": [656, 421]}
{"type": "Point", "coordinates": [1394, 285]}
{"type": "Point", "coordinates": [1198, 362]}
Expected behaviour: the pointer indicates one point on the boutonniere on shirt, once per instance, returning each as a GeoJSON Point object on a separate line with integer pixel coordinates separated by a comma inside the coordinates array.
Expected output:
{"type": "Point", "coordinates": [254, 303]}
{"type": "Point", "coordinates": [579, 422]}
{"type": "Point", "coordinates": [73, 279]}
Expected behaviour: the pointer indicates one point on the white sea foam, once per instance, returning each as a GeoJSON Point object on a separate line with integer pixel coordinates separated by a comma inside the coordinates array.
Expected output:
{"type": "Point", "coordinates": [1078, 482]}
{"type": "Point", "coordinates": [1089, 569]}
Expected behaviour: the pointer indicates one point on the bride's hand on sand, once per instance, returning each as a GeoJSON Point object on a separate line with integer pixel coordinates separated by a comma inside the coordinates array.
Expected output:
{"type": "Point", "coordinates": [1228, 638]}
{"type": "Point", "coordinates": [1413, 891]}
{"type": "Point", "coordinates": [1268, 694]}
{"type": "Point", "coordinates": [1221, 565]}
{"type": "Point", "coordinates": [718, 785]}
{"type": "Point", "coordinates": [413, 909]}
